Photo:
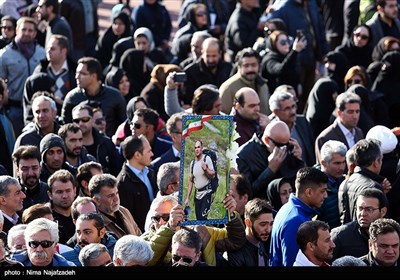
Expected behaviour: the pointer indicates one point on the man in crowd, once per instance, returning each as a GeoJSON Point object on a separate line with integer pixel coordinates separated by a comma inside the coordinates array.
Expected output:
{"type": "Point", "coordinates": [11, 197]}
{"type": "Point", "coordinates": [316, 245]}
{"type": "Point", "coordinates": [310, 194]}
{"type": "Point", "coordinates": [27, 161]}
{"type": "Point", "coordinates": [269, 156]}
{"type": "Point", "coordinates": [137, 184]}
{"type": "Point", "coordinates": [17, 61]}
{"type": "Point", "coordinates": [258, 221]}
{"type": "Point", "coordinates": [88, 78]}
{"type": "Point", "coordinates": [247, 75]}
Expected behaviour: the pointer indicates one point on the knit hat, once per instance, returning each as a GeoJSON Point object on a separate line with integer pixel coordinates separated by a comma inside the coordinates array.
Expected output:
{"type": "Point", "coordinates": [385, 136]}
{"type": "Point", "coordinates": [49, 141]}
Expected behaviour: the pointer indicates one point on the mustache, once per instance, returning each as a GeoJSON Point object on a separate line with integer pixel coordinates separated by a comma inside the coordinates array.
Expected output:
{"type": "Point", "coordinates": [40, 255]}
{"type": "Point", "coordinates": [251, 73]}
{"type": "Point", "coordinates": [83, 242]}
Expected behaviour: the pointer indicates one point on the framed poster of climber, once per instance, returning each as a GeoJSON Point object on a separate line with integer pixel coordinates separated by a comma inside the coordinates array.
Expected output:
{"type": "Point", "coordinates": [205, 164]}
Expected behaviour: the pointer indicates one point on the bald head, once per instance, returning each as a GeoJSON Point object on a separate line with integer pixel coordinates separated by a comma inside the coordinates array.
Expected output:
{"type": "Point", "coordinates": [278, 131]}
{"type": "Point", "coordinates": [247, 103]}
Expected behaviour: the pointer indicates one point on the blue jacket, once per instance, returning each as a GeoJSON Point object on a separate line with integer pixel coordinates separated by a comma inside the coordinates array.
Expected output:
{"type": "Point", "coordinates": [284, 247]}
{"type": "Point", "coordinates": [73, 255]}
{"type": "Point", "coordinates": [58, 260]}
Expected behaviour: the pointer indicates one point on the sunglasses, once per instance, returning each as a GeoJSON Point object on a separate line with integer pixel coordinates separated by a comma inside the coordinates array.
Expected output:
{"type": "Point", "coordinates": [277, 143]}
{"type": "Point", "coordinates": [157, 218]}
{"type": "Point", "coordinates": [137, 125]}
{"type": "Point", "coordinates": [9, 28]}
{"type": "Point", "coordinates": [44, 244]}
{"type": "Point", "coordinates": [177, 258]}
{"type": "Point", "coordinates": [362, 36]}
{"type": "Point", "coordinates": [83, 119]}
{"type": "Point", "coordinates": [200, 14]}
{"type": "Point", "coordinates": [283, 42]}
{"type": "Point", "coordinates": [356, 81]}
{"type": "Point", "coordinates": [99, 121]}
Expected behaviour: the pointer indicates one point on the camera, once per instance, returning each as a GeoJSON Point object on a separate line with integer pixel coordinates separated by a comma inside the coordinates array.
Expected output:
{"type": "Point", "coordinates": [289, 148]}
{"type": "Point", "coordinates": [180, 77]}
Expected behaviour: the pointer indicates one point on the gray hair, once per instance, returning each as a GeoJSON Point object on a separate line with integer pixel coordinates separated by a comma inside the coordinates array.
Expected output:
{"type": "Point", "coordinates": [277, 97]}
{"type": "Point", "coordinates": [345, 98]}
{"type": "Point", "coordinates": [90, 252]}
{"type": "Point", "coordinates": [40, 224]}
{"type": "Point", "coordinates": [162, 199]}
{"type": "Point", "coordinates": [332, 147]}
{"type": "Point", "coordinates": [13, 233]}
{"type": "Point", "coordinates": [98, 181]}
{"type": "Point", "coordinates": [6, 181]}
{"type": "Point", "coordinates": [166, 175]}
{"type": "Point", "coordinates": [45, 98]}
{"type": "Point", "coordinates": [132, 248]}
{"type": "Point", "coordinates": [348, 261]}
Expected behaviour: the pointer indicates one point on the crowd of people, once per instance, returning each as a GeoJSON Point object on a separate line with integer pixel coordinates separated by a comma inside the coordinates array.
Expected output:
{"type": "Point", "coordinates": [91, 133]}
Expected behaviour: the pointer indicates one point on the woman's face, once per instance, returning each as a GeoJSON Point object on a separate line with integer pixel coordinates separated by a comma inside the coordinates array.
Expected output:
{"type": "Point", "coordinates": [142, 43]}
{"type": "Point", "coordinates": [124, 85]}
{"type": "Point", "coordinates": [201, 17]}
{"type": "Point", "coordinates": [118, 27]}
{"type": "Point", "coordinates": [7, 29]}
{"type": "Point", "coordinates": [282, 44]}
{"type": "Point", "coordinates": [361, 37]}
{"type": "Point", "coordinates": [355, 80]}
{"type": "Point", "coordinates": [284, 192]}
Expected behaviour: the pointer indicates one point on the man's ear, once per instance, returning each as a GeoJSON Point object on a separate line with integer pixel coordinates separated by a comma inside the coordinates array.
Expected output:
{"type": "Point", "coordinates": [102, 232]}
{"type": "Point", "coordinates": [247, 222]}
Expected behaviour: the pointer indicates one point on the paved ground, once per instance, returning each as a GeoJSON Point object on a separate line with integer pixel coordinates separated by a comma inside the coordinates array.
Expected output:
{"type": "Point", "coordinates": [105, 7]}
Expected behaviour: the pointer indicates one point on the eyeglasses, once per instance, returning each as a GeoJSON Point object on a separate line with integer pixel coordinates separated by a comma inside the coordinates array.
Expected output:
{"type": "Point", "coordinates": [200, 14]}
{"type": "Point", "coordinates": [174, 183]}
{"type": "Point", "coordinates": [83, 119]}
{"type": "Point", "coordinates": [369, 210]}
{"type": "Point", "coordinates": [362, 36]}
{"type": "Point", "coordinates": [157, 218]}
{"type": "Point", "coordinates": [283, 42]}
{"type": "Point", "coordinates": [177, 258]}
{"type": "Point", "coordinates": [99, 121]}
{"type": "Point", "coordinates": [177, 132]}
{"type": "Point", "coordinates": [277, 143]}
{"type": "Point", "coordinates": [355, 81]}
{"type": "Point", "coordinates": [9, 28]}
{"type": "Point", "coordinates": [44, 244]}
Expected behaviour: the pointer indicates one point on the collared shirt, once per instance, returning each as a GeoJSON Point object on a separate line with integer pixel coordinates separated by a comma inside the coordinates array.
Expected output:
{"type": "Point", "coordinates": [63, 68]}
{"type": "Point", "coordinates": [350, 135]}
{"type": "Point", "coordinates": [177, 154]}
{"type": "Point", "coordinates": [13, 219]}
{"type": "Point", "coordinates": [142, 175]}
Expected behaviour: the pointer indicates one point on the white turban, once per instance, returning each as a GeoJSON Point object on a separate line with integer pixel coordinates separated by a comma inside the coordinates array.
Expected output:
{"type": "Point", "coordinates": [385, 136]}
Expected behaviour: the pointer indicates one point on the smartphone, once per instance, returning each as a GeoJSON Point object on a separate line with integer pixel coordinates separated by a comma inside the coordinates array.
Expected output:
{"type": "Point", "coordinates": [299, 33]}
{"type": "Point", "coordinates": [180, 77]}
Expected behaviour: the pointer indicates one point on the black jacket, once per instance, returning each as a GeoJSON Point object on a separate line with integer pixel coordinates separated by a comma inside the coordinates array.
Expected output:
{"type": "Point", "coordinates": [253, 163]}
{"type": "Point", "coordinates": [112, 103]}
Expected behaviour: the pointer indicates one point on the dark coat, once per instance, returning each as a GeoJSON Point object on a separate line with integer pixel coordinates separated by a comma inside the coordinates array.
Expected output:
{"type": "Point", "coordinates": [333, 132]}
{"type": "Point", "coordinates": [112, 103]}
{"type": "Point", "coordinates": [350, 240]}
{"type": "Point", "coordinates": [253, 163]}
{"type": "Point", "coordinates": [199, 74]}
{"type": "Point", "coordinates": [134, 195]}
